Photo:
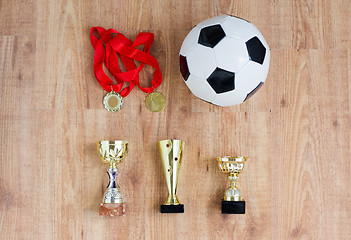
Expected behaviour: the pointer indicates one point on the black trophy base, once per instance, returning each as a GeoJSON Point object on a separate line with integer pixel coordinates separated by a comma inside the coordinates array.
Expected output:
{"type": "Point", "coordinates": [172, 208]}
{"type": "Point", "coordinates": [233, 207]}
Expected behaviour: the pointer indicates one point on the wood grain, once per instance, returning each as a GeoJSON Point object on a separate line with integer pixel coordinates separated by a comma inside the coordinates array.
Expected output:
{"type": "Point", "coordinates": [296, 129]}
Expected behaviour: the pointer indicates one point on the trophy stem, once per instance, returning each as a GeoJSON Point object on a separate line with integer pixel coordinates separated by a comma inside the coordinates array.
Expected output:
{"type": "Point", "coordinates": [113, 193]}
{"type": "Point", "coordinates": [232, 193]}
{"type": "Point", "coordinates": [112, 173]}
{"type": "Point", "coordinates": [232, 178]}
{"type": "Point", "coordinates": [113, 164]}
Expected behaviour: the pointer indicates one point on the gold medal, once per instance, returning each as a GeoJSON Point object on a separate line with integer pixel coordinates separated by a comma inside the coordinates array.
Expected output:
{"type": "Point", "coordinates": [155, 101]}
{"type": "Point", "coordinates": [113, 101]}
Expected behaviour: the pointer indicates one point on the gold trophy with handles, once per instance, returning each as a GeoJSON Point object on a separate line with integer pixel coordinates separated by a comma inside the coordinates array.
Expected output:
{"type": "Point", "coordinates": [171, 154]}
{"type": "Point", "coordinates": [232, 203]}
{"type": "Point", "coordinates": [112, 153]}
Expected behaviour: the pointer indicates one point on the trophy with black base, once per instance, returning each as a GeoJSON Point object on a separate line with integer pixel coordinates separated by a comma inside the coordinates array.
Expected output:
{"type": "Point", "coordinates": [232, 203]}
{"type": "Point", "coordinates": [171, 154]}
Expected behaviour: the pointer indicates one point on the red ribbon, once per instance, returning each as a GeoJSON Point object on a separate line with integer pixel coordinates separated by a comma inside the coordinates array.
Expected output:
{"type": "Point", "coordinates": [128, 53]}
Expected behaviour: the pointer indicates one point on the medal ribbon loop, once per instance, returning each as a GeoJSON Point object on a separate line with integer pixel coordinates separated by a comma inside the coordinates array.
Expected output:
{"type": "Point", "coordinates": [129, 54]}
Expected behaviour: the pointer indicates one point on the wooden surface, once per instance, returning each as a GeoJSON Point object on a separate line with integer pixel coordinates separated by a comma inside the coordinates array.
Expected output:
{"type": "Point", "coordinates": [296, 129]}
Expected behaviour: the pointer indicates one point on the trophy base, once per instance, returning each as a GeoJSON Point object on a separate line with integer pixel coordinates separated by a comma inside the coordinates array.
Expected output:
{"type": "Point", "coordinates": [233, 207]}
{"type": "Point", "coordinates": [179, 208]}
{"type": "Point", "coordinates": [112, 209]}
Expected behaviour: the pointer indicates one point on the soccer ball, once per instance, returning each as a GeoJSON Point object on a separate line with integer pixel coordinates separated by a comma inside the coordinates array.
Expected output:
{"type": "Point", "coordinates": [224, 60]}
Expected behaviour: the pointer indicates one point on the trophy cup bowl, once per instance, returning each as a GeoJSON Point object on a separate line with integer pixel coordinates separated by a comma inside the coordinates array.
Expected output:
{"type": "Point", "coordinates": [171, 154]}
{"type": "Point", "coordinates": [232, 203]}
{"type": "Point", "coordinates": [112, 153]}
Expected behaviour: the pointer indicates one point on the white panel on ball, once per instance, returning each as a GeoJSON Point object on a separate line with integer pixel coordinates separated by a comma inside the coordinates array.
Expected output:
{"type": "Point", "coordinates": [212, 21]}
{"type": "Point", "coordinates": [239, 28]}
{"type": "Point", "coordinates": [190, 41]}
{"type": "Point", "coordinates": [200, 88]}
{"type": "Point", "coordinates": [231, 98]}
{"type": "Point", "coordinates": [231, 54]}
{"type": "Point", "coordinates": [201, 61]}
{"type": "Point", "coordinates": [248, 78]}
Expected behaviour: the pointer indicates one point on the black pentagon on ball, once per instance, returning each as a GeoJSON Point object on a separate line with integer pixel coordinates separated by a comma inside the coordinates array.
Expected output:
{"type": "Point", "coordinates": [253, 91]}
{"type": "Point", "coordinates": [256, 50]}
{"type": "Point", "coordinates": [221, 80]}
{"type": "Point", "coordinates": [211, 35]}
{"type": "Point", "coordinates": [184, 67]}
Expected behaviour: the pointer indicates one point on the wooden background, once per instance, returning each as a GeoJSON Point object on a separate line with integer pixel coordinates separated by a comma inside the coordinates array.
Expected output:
{"type": "Point", "coordinates": [296, 129]}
